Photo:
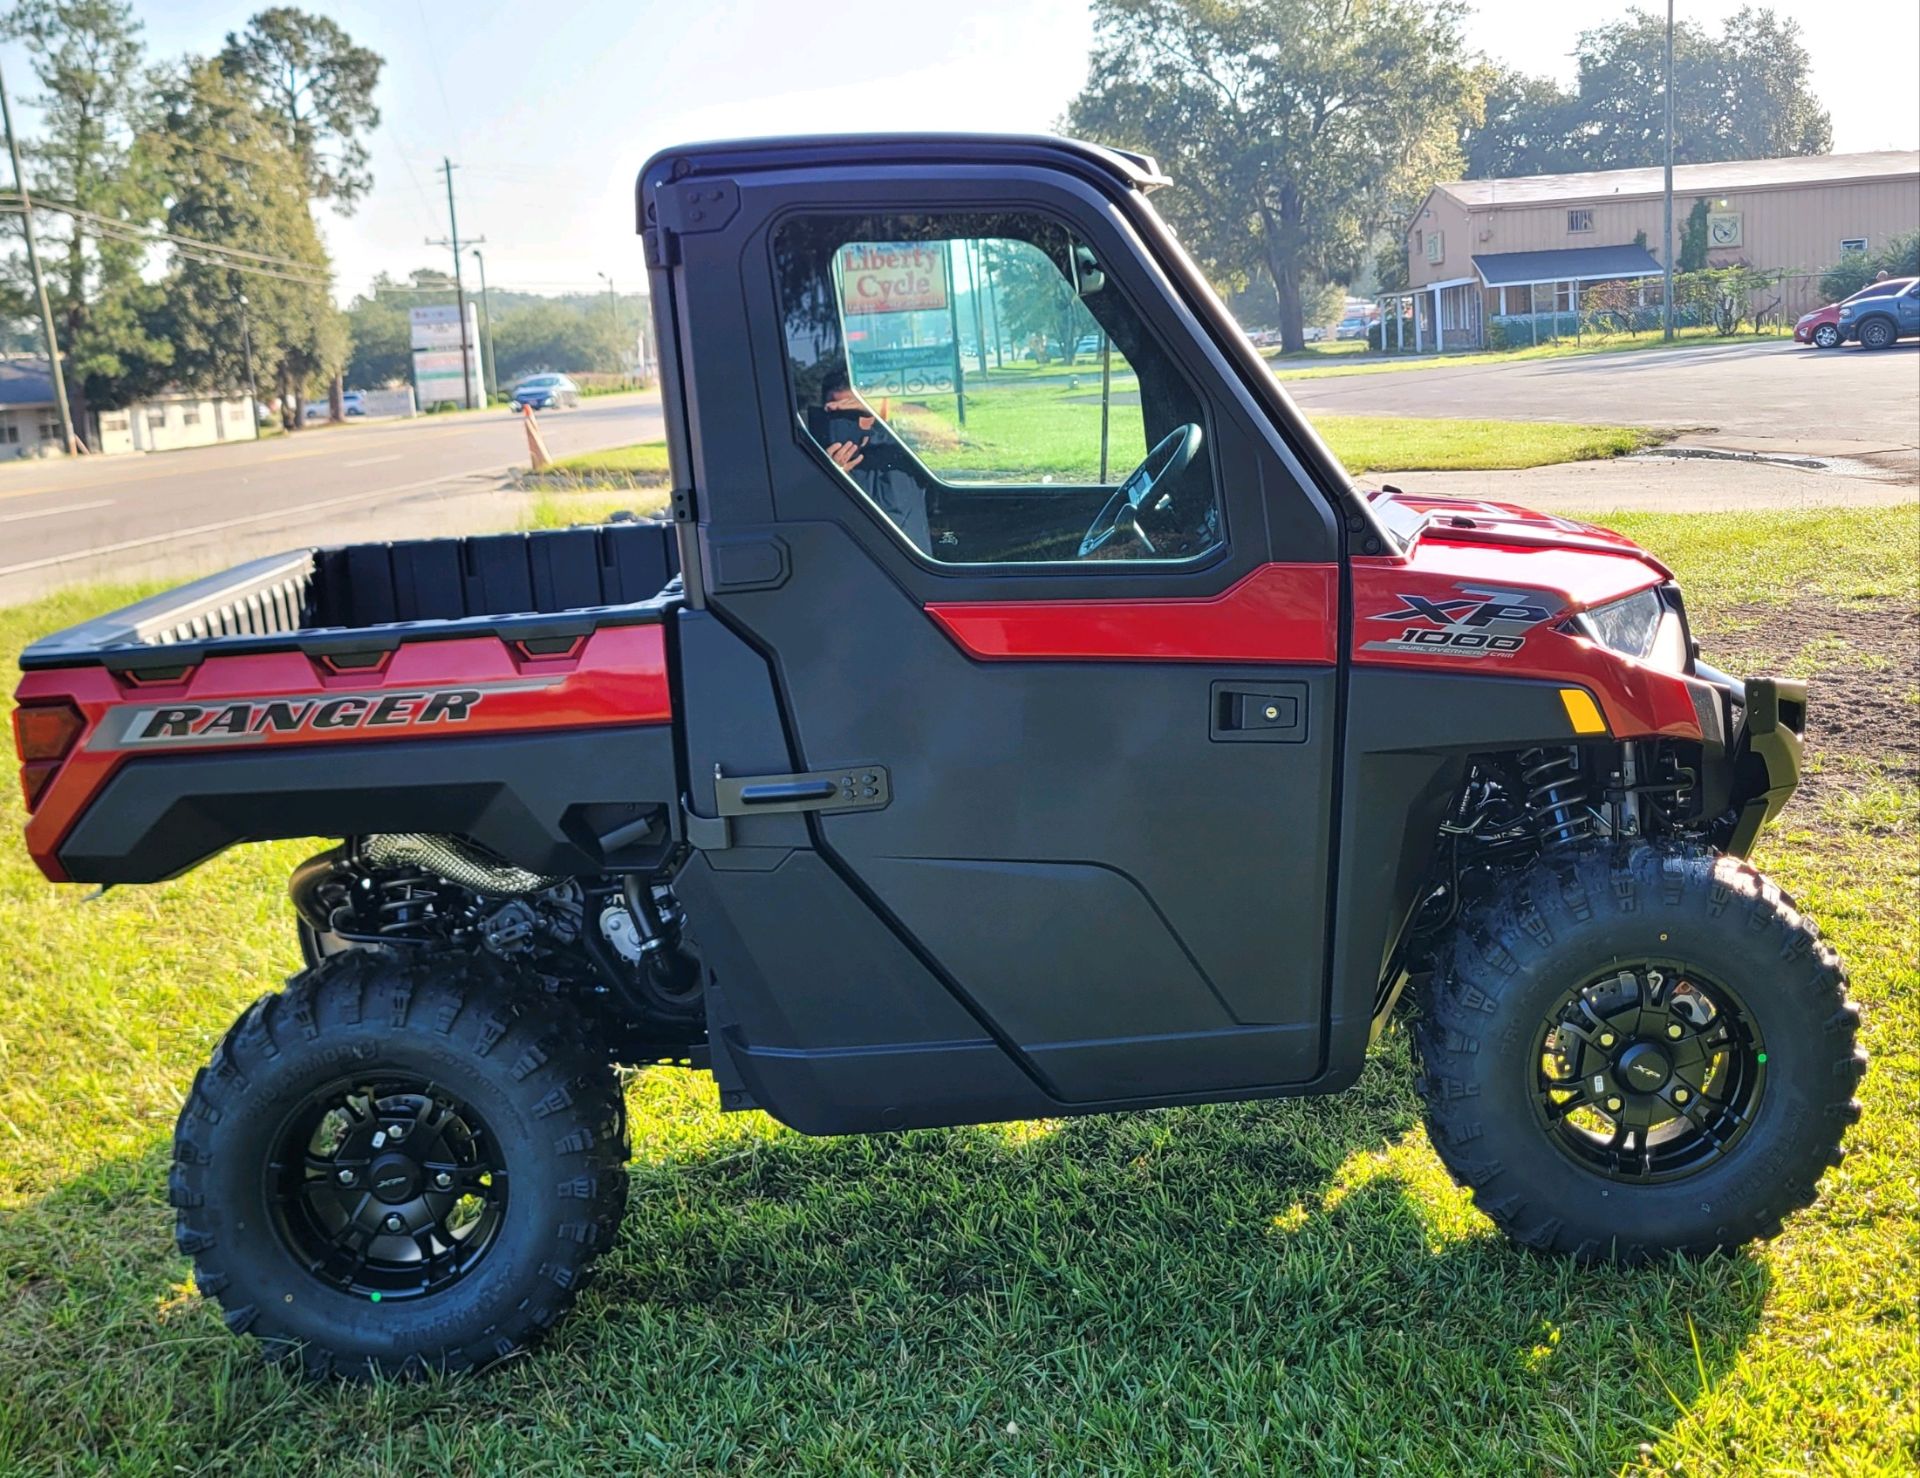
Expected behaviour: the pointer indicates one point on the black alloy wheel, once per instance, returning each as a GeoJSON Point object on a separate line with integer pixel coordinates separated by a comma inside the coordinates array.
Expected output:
{"type": "Point", "coordinates": [1629, 1050]}
{"type": "Point", "coordinates": [1649, 1073]}
{"type": "Point", "coordinates": [400, 1164]}
{"type": "Point", "coordinates": [387, 1187]}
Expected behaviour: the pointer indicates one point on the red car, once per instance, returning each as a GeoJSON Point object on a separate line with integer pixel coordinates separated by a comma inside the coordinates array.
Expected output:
{"type": "Point", "coordinates": [1821, 328]}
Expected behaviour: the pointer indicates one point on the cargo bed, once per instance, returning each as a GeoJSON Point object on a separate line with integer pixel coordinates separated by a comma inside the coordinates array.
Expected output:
{"type": "Point", "coordinates": [371, 597]}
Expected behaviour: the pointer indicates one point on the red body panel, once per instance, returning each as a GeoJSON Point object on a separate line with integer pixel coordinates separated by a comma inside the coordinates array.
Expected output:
{"type": "Point", "coordinates": [424, 690]}
{"type": "Point", "coordinates": [1278, 613]}
{"type": "Point", "coordinates": [1466, 556]}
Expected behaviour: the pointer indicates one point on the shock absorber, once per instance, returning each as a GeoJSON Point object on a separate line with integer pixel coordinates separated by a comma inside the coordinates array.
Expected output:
{"type": "Point", "coordinates": [1556, 797]}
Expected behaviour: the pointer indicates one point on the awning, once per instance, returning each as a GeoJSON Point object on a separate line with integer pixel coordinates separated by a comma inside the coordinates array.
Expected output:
{"type": "Point", "coordinates": [1569, 264]}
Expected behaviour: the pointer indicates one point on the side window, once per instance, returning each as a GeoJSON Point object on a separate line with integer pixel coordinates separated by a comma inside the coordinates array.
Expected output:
{"type": "Point", "coordinates": [980, 380]}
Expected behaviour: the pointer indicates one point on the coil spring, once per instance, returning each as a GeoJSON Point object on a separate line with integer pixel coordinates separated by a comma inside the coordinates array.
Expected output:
{"type": "Point", "coordinates": [1556, 799]}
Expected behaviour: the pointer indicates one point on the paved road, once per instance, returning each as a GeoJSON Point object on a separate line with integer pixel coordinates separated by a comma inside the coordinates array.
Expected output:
{"type": "Point", "coordinates": [179, 513]}
{"type": "Point", "coordinates": [1757, 391]}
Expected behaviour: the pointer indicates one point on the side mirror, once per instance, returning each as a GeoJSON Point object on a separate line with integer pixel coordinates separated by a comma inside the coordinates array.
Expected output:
{"type": "Point", "coordinates": [1088, 279]}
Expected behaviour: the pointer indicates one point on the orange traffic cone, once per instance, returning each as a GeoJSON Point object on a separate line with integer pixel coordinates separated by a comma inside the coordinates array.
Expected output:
{"type": "Point", "coordinates": [536, 444]}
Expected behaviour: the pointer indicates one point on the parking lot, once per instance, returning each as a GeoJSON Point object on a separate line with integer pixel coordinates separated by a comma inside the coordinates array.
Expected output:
{"type": "Point", "coordinates": [1844, 401]}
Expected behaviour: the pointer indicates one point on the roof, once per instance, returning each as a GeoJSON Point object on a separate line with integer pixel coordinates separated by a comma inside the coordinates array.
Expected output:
{"type": "Point", "coordinates": [25, 381]}
{"type": "Point", "coordinates": [1568, 264]}
{"type": "Point", "coordinates": [723, 156]}
{"type": "Point", "coordinates": [1688, 179]}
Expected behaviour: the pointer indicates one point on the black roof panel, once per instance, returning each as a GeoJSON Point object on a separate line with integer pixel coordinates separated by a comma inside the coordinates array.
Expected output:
{"type": "Point", "coordinates": [726, 156]}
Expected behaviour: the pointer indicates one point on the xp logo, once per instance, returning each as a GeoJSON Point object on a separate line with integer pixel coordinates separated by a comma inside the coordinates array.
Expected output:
{"type": "Point", "coordinates": [1476, 623]}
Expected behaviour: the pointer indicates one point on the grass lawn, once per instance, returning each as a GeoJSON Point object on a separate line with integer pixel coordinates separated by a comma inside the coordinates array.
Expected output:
{"type": "Point", "coordinates": [646, 459]}
{"type": "Point", "coordinates": [1043, 431]}
{"type": "Point", "coordinates": [1310, 364]}
{"type": "Point", "coordinates": [1271, 1288]}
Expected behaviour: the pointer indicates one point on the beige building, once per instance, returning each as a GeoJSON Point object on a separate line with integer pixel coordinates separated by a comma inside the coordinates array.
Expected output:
{"type": "Point", "coordinates": [1532, 247]}
{"type": "Point", "coordinates": [30, 423]}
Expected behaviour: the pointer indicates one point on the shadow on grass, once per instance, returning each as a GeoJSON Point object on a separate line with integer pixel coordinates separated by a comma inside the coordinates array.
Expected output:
{"type": "Point", "coordinates": [1285, 1286]}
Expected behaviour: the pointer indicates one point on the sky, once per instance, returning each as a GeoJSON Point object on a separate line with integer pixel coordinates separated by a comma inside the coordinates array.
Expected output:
{"type": "Point", "coordinates": [549, 109]}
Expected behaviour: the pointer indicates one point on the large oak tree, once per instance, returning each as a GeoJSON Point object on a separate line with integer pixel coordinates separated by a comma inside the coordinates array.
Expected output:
{"type": "Point", "coordinates": [1293, 129]}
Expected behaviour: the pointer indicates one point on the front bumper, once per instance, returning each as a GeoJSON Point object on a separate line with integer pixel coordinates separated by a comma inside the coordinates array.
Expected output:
{"type": "Point", "coordinates": [1752, 734]}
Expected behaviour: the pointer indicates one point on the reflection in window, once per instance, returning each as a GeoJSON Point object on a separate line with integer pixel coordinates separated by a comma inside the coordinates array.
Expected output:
{"type": "Point", "coordinates": [984, 385]}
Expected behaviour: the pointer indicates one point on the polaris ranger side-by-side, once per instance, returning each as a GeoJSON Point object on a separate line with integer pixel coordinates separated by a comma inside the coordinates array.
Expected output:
{"type": "Point", "coordinates": [1022, 714]}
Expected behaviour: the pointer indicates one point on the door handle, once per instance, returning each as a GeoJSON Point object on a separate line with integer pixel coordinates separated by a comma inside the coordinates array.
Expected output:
{"type": "Point", "coordinates": [1258, 713]}
{"type": "Point", "coordinates": [849, 788]}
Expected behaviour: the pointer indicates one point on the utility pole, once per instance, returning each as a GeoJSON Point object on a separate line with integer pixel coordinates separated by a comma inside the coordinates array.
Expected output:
{"type": "Point", "coordinates": [1667, 316]}
{"type": "Point", "coordinates": [246, 345]}
{"type": "Point", "coordinates": [489, 375]}
{"type": "Point", "coordinates": [613, 312]}
{"type": "Point", "coordinates": [459, 285]}
{"type": "Point", "coordinates": [54, 372]}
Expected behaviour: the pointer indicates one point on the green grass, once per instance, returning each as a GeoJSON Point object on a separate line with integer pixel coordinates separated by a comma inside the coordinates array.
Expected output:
{"type": "Point", "coordinates": [1272, 1288]}
{"type": "Point", "coordinates": [1302, 367]}
{"type": "Point", "coordinates": [646, 459]}
{"type": "Point", "coordinates": [1405, 444]}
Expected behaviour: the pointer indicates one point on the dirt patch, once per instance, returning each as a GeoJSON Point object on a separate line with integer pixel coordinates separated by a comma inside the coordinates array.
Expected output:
{"type": "Point", "coordinates": [1862, 664]}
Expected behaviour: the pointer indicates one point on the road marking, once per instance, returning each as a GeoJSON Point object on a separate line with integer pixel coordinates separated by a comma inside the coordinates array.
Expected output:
{"type": "Point", "coordinates": [63, 508]}
{"type": "Point", "coordinates": [371, 461]}
{"type": "Point", "coordinates": [234, 523]}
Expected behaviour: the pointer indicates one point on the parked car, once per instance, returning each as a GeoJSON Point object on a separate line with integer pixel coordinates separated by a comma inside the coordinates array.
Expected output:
{"type": "Point", "coordinates": [351, 404]}
{"type": "Point", "coordinates": [1352, 328]}
{"type": "Point", "coordinates": [546, 393]}
{"type": "Point", "coordinates": [1821, 328]}
{"type": "Point", "coordinates": [1876, 320]}
{"type": "Point", "coordinates": [883, 840]}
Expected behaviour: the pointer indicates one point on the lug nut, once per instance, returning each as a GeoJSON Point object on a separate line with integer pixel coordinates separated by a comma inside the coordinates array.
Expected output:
{"type": "Point", "coordinates": [1680, 1095]}
{"type": "Point", "coordinates": [1676, 1031]}
{"type": "Point", "coordinates": [393, 1224]}
{"type": "Point", "coordinates": [1613, 1105]}
{"type": "Point", "coordinates": [443, 1181]}
{"type": "Point", "coordinates": [1606, 1039]}
{"type": "Point", "coordinates": [346, 1177]}
{"type": "Point", "coordinates": [396, 1131]}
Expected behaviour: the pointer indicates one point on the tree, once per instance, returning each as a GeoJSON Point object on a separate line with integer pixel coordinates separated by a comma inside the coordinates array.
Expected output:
{"type": "Point", "coordinates": [311, 77]}
{"type": "Point", "coordinates": [88, 58]}
{"type": "Point", "coordinates": [1854, 270]}
{"type": "Point", "coordinates": [1292, 127]}
{"type": "Point", "coordinates": [549, 335]}
{"type": "Point", "coordinates": [1743, 94]}
{"type": "Point", "coordinates": [231, 179]}
{"type": "Point", "coordinates": [1693, 239]}
{"type": "Point", "coordinates": [1525, 127]}
{"type": "Point", "coordinates": [381, 330]}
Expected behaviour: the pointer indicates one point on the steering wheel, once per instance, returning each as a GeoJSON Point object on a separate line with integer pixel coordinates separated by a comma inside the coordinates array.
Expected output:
{"type": "Point", "coordinates": [1164, 464]}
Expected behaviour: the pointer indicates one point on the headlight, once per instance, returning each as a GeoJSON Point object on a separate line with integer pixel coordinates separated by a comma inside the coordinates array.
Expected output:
{"type": "Point", "coordinates": [1846, 312]}
{"type": "Point", "coordinates": [1643, 627]}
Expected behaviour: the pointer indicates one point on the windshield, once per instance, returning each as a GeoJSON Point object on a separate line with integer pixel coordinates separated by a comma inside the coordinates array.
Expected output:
{"type": "Point", "coordinates": [539, 382]}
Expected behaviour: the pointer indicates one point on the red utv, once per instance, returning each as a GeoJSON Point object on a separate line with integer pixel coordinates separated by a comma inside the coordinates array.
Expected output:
{"type": "Point", "coordinates": [978, 741]}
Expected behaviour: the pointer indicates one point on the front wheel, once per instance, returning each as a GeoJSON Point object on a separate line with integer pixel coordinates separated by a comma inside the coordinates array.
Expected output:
{"type": "Point", "coordinates": [397, 1165]}
{"type": "Point", "coordinates": [1877, 333]}
{"type": "Point", "coordinates": [1638, 1051]}
{"type": "Point", "coordinates": [1826, 337]}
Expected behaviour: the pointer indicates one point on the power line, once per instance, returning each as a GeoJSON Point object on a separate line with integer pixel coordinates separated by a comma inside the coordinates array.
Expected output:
{"type": "Point", "coordinates": [197, 243]}
{"type": "Point", "coordinates": [204, 253]}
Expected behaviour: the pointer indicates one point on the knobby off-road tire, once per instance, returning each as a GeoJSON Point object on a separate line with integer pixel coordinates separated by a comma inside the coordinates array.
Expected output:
{"type": "Point", "coordinates": [1572, 920]}
{"type": "Point", "coordinates": [524, 1119]}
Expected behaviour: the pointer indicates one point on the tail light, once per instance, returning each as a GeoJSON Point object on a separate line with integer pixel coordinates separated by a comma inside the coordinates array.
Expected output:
{"type": "Point", "coordinates": [45, 734]}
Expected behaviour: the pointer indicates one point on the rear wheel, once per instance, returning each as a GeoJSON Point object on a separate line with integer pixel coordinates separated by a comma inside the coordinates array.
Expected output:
{"type": "Point", "coordinates": [1638, 1051]}
{"type": "Point", "coordinates": [395, 1166]}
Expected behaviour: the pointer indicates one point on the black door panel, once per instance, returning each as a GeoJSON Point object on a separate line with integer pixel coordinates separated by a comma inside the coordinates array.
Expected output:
{"type": "Point", "coordinates": [1071, 827]}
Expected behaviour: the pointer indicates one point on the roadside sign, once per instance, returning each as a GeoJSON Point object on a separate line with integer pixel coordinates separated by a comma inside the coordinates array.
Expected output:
{"type": "Point", "coordinates": [893, 277]}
